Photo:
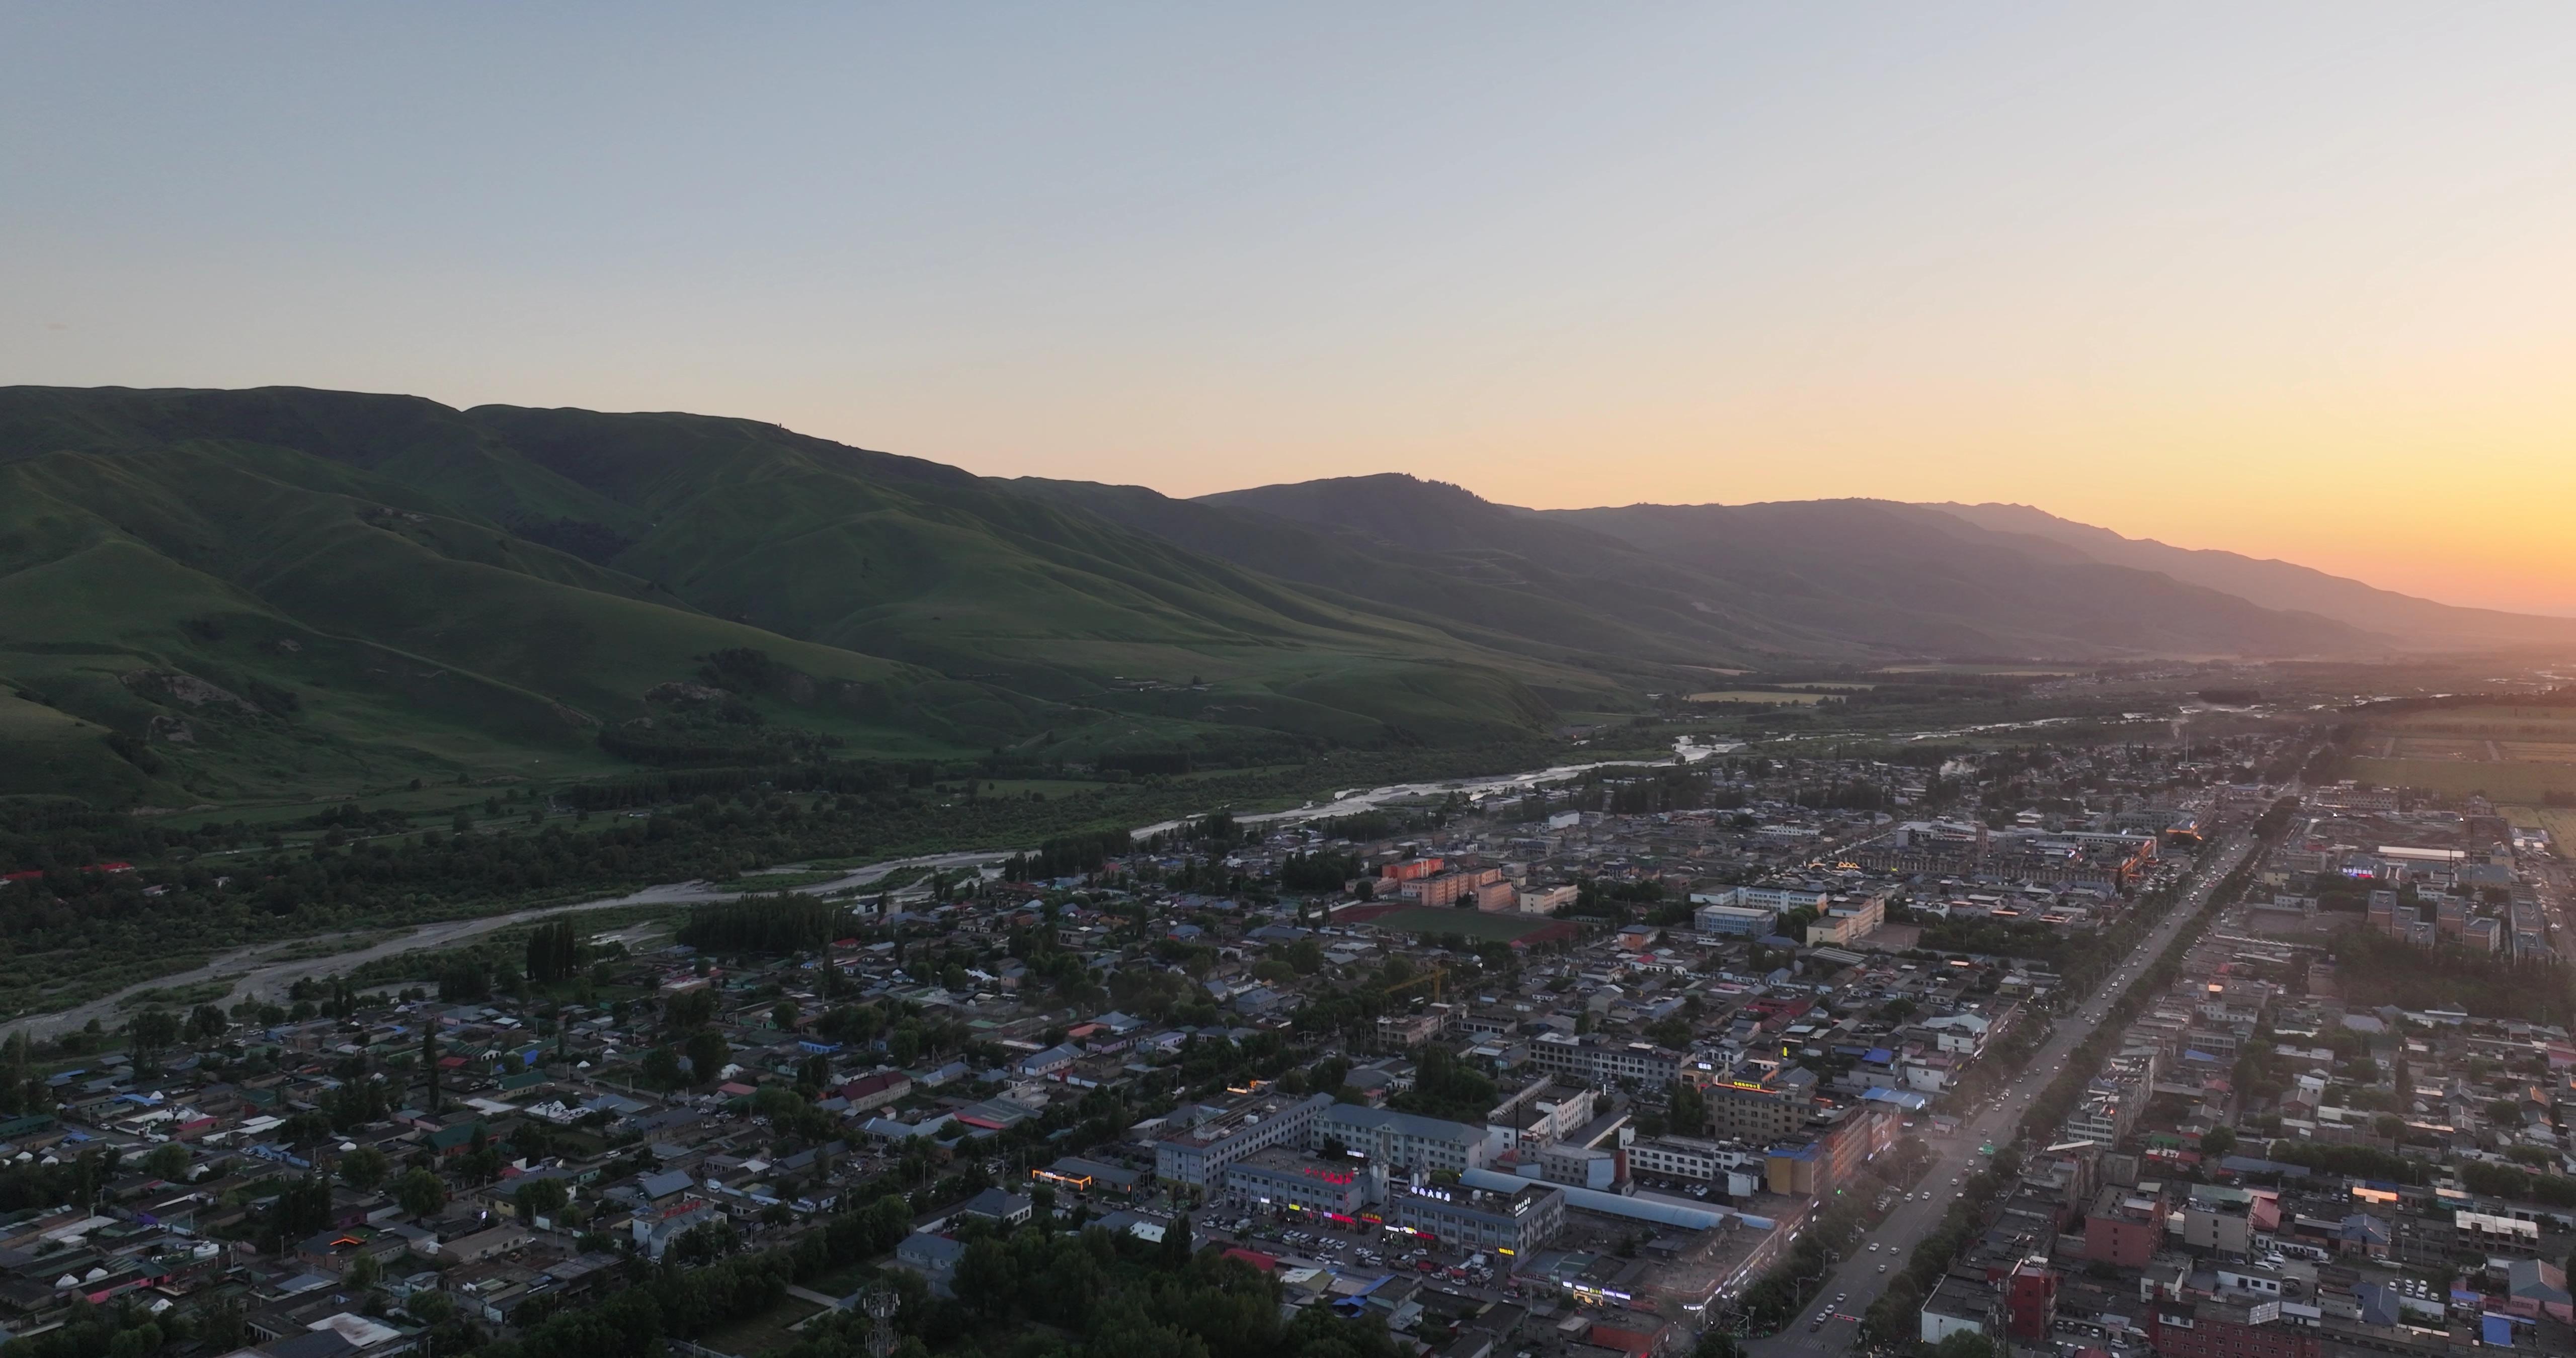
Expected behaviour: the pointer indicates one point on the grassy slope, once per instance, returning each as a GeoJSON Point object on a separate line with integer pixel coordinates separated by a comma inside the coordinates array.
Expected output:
{"type": "Point", "coordinates": [347, 566]}
{"type": "Point", "coordinates": [411, 642]}
{"type": "Point", "coordinates": [924, 563]}
{"type": "Point", "coordinates": [1493, 595]}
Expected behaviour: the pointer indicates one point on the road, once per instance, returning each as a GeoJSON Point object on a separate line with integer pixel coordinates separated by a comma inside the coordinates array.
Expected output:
{"type": "Point", "coordinates": [1860, 1278]}
{"type": "Point", "coordinates": [260, 971]}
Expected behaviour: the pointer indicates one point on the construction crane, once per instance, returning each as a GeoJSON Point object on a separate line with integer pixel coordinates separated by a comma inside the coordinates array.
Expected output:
{"type": "Point", "coordinates": [1436, 978]}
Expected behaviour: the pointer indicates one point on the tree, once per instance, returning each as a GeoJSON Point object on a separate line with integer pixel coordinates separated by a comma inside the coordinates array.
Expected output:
{"type": "Point", "coordinates": [1686, 1110]}
{"type": "Point", "coordinates": [152, 1030]}
{"type": "Point", "coordinates": [1964, 1344]}
{"type": "Point", "coordinates": [706, 1051]}
{"type": "Point", "coordinates": [421, 1192]}
{"type": "Point", "coordinates": [540, 1198]}
{"type": "Point", "coordinates": [554, 952]}
{"type": "Point", "coordinates": [662, 1067]}
{"type": "Point", "coordinates": [303, 1208]}
{"type": "Point", "coordinates": [364, 1168]}
{"type": "Point", "coordinates": [1176, 1252]}
{"type": "Point", "coordinates": [167, 1161]}
{"type": "Point", "coordinates": [429, 1062]}
{"type": "Point", "coordinates": [2217, 1144]}
{"type": "Point", "coordinates": [206, 1023]}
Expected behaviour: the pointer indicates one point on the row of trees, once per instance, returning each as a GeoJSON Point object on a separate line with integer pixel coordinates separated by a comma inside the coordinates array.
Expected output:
{"type": "Point", "coordinates": [786, 922]}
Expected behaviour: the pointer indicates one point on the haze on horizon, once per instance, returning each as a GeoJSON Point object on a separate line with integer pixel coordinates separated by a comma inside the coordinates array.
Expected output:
{"type": "Point", "coordinates": [2292, 282]}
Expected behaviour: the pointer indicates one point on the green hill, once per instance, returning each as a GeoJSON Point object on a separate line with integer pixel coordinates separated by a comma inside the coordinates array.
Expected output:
{"type": "Point", "coordinates": [207, 595]}
{"type": "Point", "coordinates": [1820, 578]}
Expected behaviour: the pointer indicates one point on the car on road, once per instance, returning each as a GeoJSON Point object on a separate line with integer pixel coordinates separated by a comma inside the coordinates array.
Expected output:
{"type": "Point", "coordinates": [1882, 1268]}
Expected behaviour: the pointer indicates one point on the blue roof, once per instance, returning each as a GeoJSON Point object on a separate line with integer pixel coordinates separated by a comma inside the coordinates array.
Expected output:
{"type": "Point", "coordinates": [2496, 1330]}
{"type": "Point", "coordinates": [1878, 1056]}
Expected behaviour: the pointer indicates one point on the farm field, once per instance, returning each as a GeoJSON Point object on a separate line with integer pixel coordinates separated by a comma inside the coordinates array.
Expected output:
{"type": "Point", "coordinates": [2559, 821]}
{"type": "Point", "coordinates": [2512, 754]}
{"type": "Point", "coordinates": [1751, 695]}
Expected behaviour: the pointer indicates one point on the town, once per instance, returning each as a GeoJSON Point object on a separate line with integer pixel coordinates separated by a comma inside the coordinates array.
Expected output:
{"type": "Point", "coordinates": [2085, 1049]}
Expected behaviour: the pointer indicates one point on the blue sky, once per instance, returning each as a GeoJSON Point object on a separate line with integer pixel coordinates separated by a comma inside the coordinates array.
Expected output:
{"type": "Point", "coordinates": [2253, 280]}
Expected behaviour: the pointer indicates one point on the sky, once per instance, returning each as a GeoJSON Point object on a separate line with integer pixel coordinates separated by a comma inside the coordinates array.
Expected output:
{"type": "Point", "coordinates": [2297, 281]}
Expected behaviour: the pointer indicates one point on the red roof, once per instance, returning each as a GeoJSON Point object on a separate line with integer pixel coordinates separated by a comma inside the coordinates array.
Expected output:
{"type": "Point", "coordinates": [33, 874]}
{"type": "Point", "coordinates": [1632, 1341]}
{"type": "Point", "coordinates": [1255, 1258]}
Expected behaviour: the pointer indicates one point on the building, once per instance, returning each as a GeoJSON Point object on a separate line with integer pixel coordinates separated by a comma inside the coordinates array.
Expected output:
{"type": "Point", "coordinates": [1779, 900]}
{"type": "Point", "coordinates": [1584, 1167]}
{"type": "Point", "coordinates": [1545, 900]}
{"type": "Point", "coordinates": [1075, 1174]}
{"type": "Point", "coordinates": [2030, 1301]}
{"type": "Point", "coordinates": [2115, 1098]}
{"type": "Point", "coordinates": [934, 1257]}
{"type": "Point", "coordinates": [1733, 1168]}
{"type": "Point", "coordinates": [1196, 1155]}
{"type": "Point", "coordinates": [1449, 888]}
{"type": "Point", "coordinates": [1957, 1305]}
{"type": "Point", "coordinates": [1409, 1030]}
{"type": "Point", "coordinates": [1819, 1166]}
{"type": "Point", "coordinates": [1515, 1223]}
{"type": "Point", "coordinates": [1280, 1177]}
{"type": "Point", "coordinates": [1540, 1112]}
{"type": "Point", "coordinates": [2228, 1329]}
{"type": "Point", "coordinates": [1761, 1108]}
{"type": "Point", "coordinates": [1847, 922]}
{"type": "Point", "coordinates": [1734, 921]}
{"type": "Point", "coordinates": [2125, 1226]}
{"type": "Point", "coordinates": [2228, 1221]}
{"type": "Point", "coordinates": [1405, 1141]}
{"type": "Point", "coordinates": [1589, 1060]}
{"type": "Point", "coordinates": [993, 1204]}
{"type": "Point", "coordinates": [870, 1092]}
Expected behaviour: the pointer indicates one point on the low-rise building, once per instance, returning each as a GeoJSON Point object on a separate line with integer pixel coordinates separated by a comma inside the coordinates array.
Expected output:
{"type": "Point", "coordinates": [1525, 1219]}
{"type": "Point", "coordinates": [1405, 1141]}
{"type": "Point", "coordinates": [1197, 1154]}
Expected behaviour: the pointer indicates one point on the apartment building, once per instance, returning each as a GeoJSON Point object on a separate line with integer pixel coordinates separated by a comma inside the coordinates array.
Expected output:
{"type": "Point", "coordinates": [1403, 1141]}
{"type": "Point", "coordinates": [1197, 1154]}
{"type": "Point", "coordinates": [1592, 1061]}
{"type": "Point", "coordinates": [1736, 1169]}
{"type": "Point", "coordinates": [1283, 1177]}
{"type": "Point", "coordinates": [1761, 1108]}
{"type": "Point", "coordinates": [1847, 922]}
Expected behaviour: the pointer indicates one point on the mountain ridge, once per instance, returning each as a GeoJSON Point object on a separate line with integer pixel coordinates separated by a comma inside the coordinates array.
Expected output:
{"type": "Point", "coordinates": [209, 593]}
{"type": "Point", "coordinates": [2272, 581]}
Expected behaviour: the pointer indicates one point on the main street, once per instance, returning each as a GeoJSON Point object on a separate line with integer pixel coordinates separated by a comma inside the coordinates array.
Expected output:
{"type": "Point", "coordinates": [1859, 1279]}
